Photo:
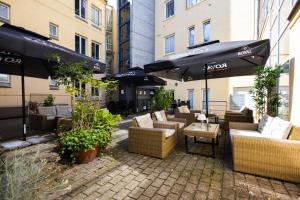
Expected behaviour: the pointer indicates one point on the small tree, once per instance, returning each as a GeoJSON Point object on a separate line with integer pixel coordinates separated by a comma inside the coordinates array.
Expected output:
{"type": "Point", "coordinates": [162, 99]}
{"type": "Point", "coordinates": [264, 90]}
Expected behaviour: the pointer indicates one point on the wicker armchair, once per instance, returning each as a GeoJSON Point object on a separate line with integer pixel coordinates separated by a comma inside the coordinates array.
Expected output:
{"type": "Point", "coordinates": [160, 116]}
{"type": "Point", "coordinates": [237, 117]}
{"type": "Point", "coordinates": [156, 141]}
{"type": "Point", "coordinates": [269, 157]}
{"type": "Point", "coordinates": [189, 116]}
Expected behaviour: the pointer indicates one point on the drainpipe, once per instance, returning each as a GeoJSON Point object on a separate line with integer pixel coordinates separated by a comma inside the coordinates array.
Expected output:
{"type": "Point", "coordinates": [257, 16]}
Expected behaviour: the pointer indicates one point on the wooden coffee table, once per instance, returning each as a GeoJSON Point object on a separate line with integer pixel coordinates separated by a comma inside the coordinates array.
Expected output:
{"type": "Point", "coordinates": [208, 131]}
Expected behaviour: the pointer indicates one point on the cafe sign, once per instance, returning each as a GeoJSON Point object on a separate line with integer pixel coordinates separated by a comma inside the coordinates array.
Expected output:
{"type": "Point", "coordinates": [9, 58]}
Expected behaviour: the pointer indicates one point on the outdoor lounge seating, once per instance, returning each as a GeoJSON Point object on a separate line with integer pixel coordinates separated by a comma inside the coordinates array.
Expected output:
{"type": "Point", "coordinates": [245, 115]}
{"type": "Point", "coordinates": [184, 112]}
{"type": "Point", "coordinates": [269, 150]}
{"type": "Point", "coordinates": [161, 116]}
{"type": "Point", "coordinates": [151, 138]}
{"type": "Point", "coordinates": [46, 117]}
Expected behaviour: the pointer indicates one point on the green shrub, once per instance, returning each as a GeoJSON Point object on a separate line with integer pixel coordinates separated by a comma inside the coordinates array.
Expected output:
{"type": "Point", "coordinates": [49, 100]}
{"type": "Point", "coordinates": [162, 99]}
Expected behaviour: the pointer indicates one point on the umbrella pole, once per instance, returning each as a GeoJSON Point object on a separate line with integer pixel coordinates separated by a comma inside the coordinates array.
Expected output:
{"type": "Point", "coordinates": [23, 100]}
{"type": "Point", "coordinates": [206, 91]}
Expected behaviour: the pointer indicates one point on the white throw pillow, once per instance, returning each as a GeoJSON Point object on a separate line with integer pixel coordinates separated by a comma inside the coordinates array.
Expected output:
{"type": "Point", "coordinates": [185, 109]}
{"type": "Point", "coordinates": [158, 116]}
{"type": "Point", "coordinates": [145, 121]}
{"type": "Point", "coordinates": [265, 125]}
{"type": "Point", "coordinates": [280, 128]}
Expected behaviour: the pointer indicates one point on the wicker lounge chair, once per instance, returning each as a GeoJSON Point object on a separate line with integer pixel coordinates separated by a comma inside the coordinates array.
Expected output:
{"type": "Point", "coordinates": [161, 116]}
{"type": "Point", "coordinates": [255, 153]}
{"type": "Point", "coordinates": [184, 112]}
{"type": "Point", "coordinates": [244, 116]}
{"type": "Point", "coordinates": [151, 138]}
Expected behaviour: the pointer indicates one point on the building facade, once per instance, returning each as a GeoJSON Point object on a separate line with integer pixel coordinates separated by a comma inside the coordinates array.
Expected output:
{"type": "Point", "coordinates": [277, 24]}
{"type": "Point", "coordinates": [180, 24]}
{"type": "Point", "coordinates": [79, 25]}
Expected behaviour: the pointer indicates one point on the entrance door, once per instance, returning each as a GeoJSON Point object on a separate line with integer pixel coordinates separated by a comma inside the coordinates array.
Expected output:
{"type": "Point", "coordinates": [191, 98]}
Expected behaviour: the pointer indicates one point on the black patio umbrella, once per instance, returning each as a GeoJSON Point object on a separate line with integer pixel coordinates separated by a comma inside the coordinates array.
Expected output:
{"type": "Point", "coordinates": [213, 60]}
{"type": "Point", "coordinates": [26, 53]}
{"type": "Point", "coordinates": [136, 76]}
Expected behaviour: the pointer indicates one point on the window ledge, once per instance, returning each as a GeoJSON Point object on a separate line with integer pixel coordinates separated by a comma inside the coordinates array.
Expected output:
{"type": "Point", "coordinates": [170, 53]}
{"type": "Point", "coordinates": [52, 87]}
{"type": "Point", "coordinates": [171, 17]}
{"type": "Point", "coordinates": [5, 85]}
{"type": "Point", "coordinates": [80, 18]}
{"type": "Point", "coordinates": [97, 27]}
{"type": "Point", "coordinates": [53, 37]}
{"type": "Point", "coordinates": [4, 20]}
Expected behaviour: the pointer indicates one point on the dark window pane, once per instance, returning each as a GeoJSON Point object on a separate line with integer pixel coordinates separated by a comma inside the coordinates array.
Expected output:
{"type": "Point", "coordinates": [77, 45]}
{"type": "Point", "coordinates": [170, 8]}
{"type": "Point", "coordinates": [83, 7]}
{"type": "Point", "coordinates": [97, 52]}
{"type": "Point", "coordinates": [82, 46]}
{"type": "Point", "coordinates": [77, 7]}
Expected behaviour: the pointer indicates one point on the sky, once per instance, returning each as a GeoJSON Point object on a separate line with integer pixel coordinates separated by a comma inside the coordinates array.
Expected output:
{"type": "Point", "coordinates": [112, 3]}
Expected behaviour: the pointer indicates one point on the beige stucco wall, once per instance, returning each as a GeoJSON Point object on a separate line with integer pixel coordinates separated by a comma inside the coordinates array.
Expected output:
{"type": "Point", "coordinates": [295, 78]}
{"type": "Point", "coordinates": [230, 20]}
{"type": "Point", "coordinates": [35, 15]}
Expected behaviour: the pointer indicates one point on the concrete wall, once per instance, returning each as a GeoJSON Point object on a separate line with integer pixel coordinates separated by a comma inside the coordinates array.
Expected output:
{"type": "Point", "coordinates": [142, 32]}
{"type": "Point", "coordinates": [230, 20]}
{"type": "Point", "coordinates": [35, 15]}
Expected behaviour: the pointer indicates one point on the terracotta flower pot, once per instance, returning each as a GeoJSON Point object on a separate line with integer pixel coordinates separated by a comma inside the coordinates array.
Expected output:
{"type": "Point", "coordinates": [86, 156]}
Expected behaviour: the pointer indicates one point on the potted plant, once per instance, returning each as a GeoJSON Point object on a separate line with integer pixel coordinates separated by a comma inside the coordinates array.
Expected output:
{"type": "Point", "coordinates": [162, 99]}
{"type": "Point", "coordinates": [49, 101]}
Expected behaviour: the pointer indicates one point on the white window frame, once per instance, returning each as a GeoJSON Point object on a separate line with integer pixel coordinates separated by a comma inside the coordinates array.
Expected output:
{"type": "Point", "coordinates": [189, 5]}
{"type": "Point", "coordinates": [8, 13]}
{"type": "Point", "coordinates": [79, 13]}
{"type": "Point", "coordinates": [96, 9]}
{"type": "Point", "coordinates": [189, 35]}
{"type": "Point", "coordinates": [5, 83]}
{"type": "Point", "coordinates": [50, 34]}
{"type": "Point", "coordinates": [99, 45]}
{"type": "Point", "coordinates": [80, 44]}
{"type": "Point", "coordinates": [203, 27]}
{"type": "Point", "coordinates": [165, 42]}
{"type": "Point", "coordinates": [166, 7]}
{"type": "Point", "coordinates": [53, 84]}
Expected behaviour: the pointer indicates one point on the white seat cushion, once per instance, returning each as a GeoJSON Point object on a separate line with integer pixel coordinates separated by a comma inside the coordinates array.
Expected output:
{"type": "Point", "coordinates": [64, 111]}
{"type": "Point", "coordinates": [145, 121]}
{"type": "Point", "coordinates": [158, 116]}
{"type": "Point", "coordinates": [264, 126]}
{"type": "Point", "coordinates": [47, 111]}
{"type": "Point", "coordinates": [169, 132]}
{"type": "Point", "coordinates": [280, 128]}
{"type": "Point", "coordinates": [245, 133]}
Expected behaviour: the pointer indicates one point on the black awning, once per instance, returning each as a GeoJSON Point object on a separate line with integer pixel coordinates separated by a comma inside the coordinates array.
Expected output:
{"type": "Point", "coordinates": [35, 51]}
{"type": "Point", "coordinates": [136, 76]}
{"type": "Point", "coordinates": [225, 59]}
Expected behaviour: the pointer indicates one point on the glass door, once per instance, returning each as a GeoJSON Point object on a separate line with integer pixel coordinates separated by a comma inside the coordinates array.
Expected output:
{"type": "Point", "coordinates": [191, 98]}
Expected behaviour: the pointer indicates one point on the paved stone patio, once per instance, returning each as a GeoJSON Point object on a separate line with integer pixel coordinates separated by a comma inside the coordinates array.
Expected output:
{"type": "Point", "coordinates": [121, 175]}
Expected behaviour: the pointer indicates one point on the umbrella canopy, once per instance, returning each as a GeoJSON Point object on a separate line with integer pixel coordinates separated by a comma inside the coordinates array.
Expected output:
{"type": "Point", "coordinates": [26, 53]}
{"type": "Point", "coordinates": [20, 46]}
{"type": "Point", "coordinates": [213, 60]}
{"type": "Point", "coordinates": [137, 76]}
{"type": "Point", "coordinates": [226, 59]}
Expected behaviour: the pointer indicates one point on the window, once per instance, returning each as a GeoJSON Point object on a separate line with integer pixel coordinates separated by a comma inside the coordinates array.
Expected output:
{"type": "Point", "coordinates": [80, 44]}
{"type": "Point", "coordinates": [170, 8]}
{"type": "Point", "coordinates": [191, 36]}
{"type": "Point", "coordinates": [96, 16]}
{"type": "Point", "coordinates": [53, 84]}
{"type": "Point", "coordinates": [293, 2]}
{"type": "Point", "coordinates": [4, 80]}
{"type": "Point", "coordinates": [80, 8]}
{"type": "Point", "coordinates": [95, 50]}
{"type": "Point", "coordinates": [4, 12]}
{"type": "Point", "coordinates": [191, 3]}
{"type": "Point", "coordinates": [53, 31]}
{"type": "Point", "coordinates": [206, 31]}
{"type": "Point", "coordinates": [170, 44]}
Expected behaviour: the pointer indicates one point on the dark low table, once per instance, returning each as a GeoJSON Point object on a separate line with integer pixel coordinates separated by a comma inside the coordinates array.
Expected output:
{"type": "Point", "coordinates": [208, 131]}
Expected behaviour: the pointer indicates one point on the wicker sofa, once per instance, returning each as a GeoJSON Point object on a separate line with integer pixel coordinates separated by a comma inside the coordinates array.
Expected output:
{"type": "Point", "coordinates": [185, 113]}
{"type": "Point", "coordinates": [265, 155]}
{"type": "Point", "coordinates": [151, 138]}
{"type": "Point", "coordinates": [246, 115]}
{"type": "Point", "coordinates": [46, 118]}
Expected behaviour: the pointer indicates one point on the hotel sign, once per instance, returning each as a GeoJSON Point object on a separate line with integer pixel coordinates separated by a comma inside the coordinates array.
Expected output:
{"type": "Point", "coordinates": [9, 58]}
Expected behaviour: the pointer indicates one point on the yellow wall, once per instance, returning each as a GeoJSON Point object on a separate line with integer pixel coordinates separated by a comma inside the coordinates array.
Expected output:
{"type": "Point", "coordinates": [295, 78]}
{"type": "Point", "coordinates": [35, 15]}
{"type": "Point", "coordinates": [230, 20]}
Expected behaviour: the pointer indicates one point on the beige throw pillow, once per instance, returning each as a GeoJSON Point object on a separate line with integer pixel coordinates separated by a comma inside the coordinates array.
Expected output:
{"type": "Point", "coordinates": [158, 116]}
{"type": "Point", "coordinates": [185, 109]}
{"type": "Point", "coordinates": [145, 121]}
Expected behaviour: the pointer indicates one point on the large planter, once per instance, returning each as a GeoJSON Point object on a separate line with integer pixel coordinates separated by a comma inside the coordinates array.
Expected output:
{"type": "Point", "coordinates": [86, 156]}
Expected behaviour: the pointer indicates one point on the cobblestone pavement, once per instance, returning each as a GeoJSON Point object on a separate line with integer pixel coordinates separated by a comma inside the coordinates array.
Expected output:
{"type": "Point", "coordinates": [179, 176]}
